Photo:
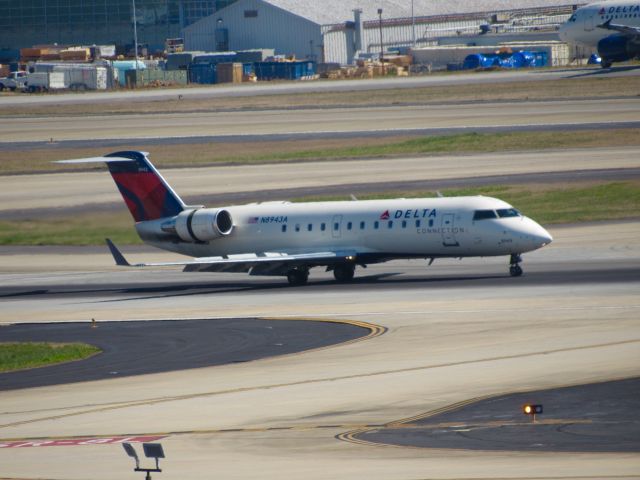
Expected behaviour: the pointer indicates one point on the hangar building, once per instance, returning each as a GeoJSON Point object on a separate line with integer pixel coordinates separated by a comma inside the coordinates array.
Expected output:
{"type": "Point", "coordinates": [336, 30]}
{"type": "Point", "coordinates": [88, 22]}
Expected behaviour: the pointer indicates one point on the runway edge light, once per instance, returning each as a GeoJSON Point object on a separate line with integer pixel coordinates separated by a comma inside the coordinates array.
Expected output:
{"type": "Point", "coordinates": [532, 410]}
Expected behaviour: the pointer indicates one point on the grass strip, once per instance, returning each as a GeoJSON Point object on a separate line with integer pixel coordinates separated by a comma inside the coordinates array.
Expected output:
{"type": "Point", "coordinates": [82, 229]}
{"type": "Point", "coordinates": [547, 204]}
{"type": "Point", "coordinates": [208, 154]}
{"type": "Point", "coordinates": [460, 143]}
{"type": "Point", "coordinates": [18, 356]}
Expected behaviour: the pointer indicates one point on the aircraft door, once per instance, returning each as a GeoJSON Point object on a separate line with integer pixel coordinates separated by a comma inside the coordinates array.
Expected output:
{"type": "Point", "coordinates": [589, 24]}
{"type": "Point", "coordinates": [448, 231]}
{"type": "Point", "coordinates": [336, 226]}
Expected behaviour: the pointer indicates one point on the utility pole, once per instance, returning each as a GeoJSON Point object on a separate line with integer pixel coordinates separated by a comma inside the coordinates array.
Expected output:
{"type": "Point", "coordinates": [413, 25]}
{"type": "Point", "coordinates": [381, 41]}
{"type": "Point", "coordinates": [135, 38]}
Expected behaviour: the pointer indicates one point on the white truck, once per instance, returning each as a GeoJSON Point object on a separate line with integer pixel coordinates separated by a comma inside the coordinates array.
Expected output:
{"type": "Point", "coordinates": [45, 82]}
{"type": "Point", "coordinates": [15, 81]}
{"type": "Point", "coordinates": [77, 77]}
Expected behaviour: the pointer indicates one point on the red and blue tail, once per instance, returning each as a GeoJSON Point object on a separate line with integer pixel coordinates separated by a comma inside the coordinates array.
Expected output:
{"type": "Point", "coordinates": [147, 195]}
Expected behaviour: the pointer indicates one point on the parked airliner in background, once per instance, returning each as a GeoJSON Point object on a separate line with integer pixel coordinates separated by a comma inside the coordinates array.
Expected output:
{"type": "Point", "coordinates": [612, 27]}
{"type": "Point", "coordinates": [288, 239]}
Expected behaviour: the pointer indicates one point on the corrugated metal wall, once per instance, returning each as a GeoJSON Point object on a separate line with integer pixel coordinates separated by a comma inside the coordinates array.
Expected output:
{"type": "Point", "coordinates": [339, 41]}
{"type": "Point", "coordinates": [255, 24]}
{"type": "Point", "coordinates": [426, 31]}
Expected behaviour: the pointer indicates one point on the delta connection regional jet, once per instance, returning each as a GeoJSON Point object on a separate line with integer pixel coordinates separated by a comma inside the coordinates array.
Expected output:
{"type": "Point", "coordinates": [288, 239]}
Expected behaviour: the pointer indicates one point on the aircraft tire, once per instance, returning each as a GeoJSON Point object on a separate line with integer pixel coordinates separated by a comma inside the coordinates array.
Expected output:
{"type": "Point", "coordinates": [515, 271]}
{"type": "Point", "coordinates": [297, 277]}
{"type": "Point", "coordinates": [344, 273]}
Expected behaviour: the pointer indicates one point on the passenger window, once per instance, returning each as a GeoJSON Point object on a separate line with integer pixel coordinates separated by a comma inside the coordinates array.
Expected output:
{"type": "Point", "coordinates": [336, 226]}
{"type": "Point", "coordinates": [484, 215]}
{"type": "Point", "coordinates": [284, 228]}
{"type": "Point", "coordinates": [404, 224]}
{"type": "Point", "coordinates": [390, 224]}
{"type": "Point", "coordinates": [508, 212]}
{"type": "Point", "coordinates": [323, 227]}
{"type": "Point", "coordinates": [361, 225]}
{"type": "Point", "coordinates": [297, 227]}
{"type": "Point", "coordinates": [431, 222]}
{"type": "Point", "coordinates": [417, 223]}
{"type": "Point", "coordinates": [376, 225]}
{"type": "Point", "coordinates": [310, 227]}
{"type": "Point", "coordinates": [349, 226]}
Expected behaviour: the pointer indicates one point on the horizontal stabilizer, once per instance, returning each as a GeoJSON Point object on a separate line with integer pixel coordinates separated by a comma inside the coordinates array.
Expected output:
{"type": "Point", "coordinates": [117, 255]}
{"type": "Point", "coordinates": [95, 160]}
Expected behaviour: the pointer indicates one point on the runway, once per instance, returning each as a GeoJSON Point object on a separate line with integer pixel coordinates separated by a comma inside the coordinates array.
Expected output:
{"type": "Point", "coordinates": [507, 115]}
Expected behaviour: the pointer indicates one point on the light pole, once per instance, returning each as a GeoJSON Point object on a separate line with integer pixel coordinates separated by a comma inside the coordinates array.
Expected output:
{"type": "Point", "coordinates": [413, 24]}
{"type": "Point", "coordinates": [381, 41]}
{"type": "Point", "coordinates": [135, 39]}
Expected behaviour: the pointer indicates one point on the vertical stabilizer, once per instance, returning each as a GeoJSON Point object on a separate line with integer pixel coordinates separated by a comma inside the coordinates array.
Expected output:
{"type": "Point", "coordinates": [147, 195]}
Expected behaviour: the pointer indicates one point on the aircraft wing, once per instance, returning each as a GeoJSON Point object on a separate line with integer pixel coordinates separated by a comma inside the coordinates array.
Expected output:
{"type": "Point", "coordinates": [267, 263]}
{"type": "Point", "coordinates": [629, 32]}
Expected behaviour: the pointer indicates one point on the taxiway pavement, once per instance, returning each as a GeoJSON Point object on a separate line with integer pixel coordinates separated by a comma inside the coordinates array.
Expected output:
{"type": "Point", "coordinates": [561, 114]}
{"type": "Point", "coordinates": [456, 331]}
{"type": "Point", "coordinates": [598, 417]}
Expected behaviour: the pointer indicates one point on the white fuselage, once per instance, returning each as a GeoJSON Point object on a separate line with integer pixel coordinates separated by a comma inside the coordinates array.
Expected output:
{"type": "Point", "coordinates": [376, 229]}
{"type": "Point", "coordinates": [582, 27]}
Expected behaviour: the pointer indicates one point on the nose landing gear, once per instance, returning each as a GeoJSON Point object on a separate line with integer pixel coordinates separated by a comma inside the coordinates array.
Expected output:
{"type": "Point", "coordinates": [515, 270]}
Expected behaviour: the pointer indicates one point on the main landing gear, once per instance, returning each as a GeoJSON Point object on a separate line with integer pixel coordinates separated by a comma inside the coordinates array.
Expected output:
{"type": "Point", "coordinates": [298, 276]}
{"type": "Point", "coordinates": [344, 272]}
{"type": "Point", "coordinates": [515, 270]}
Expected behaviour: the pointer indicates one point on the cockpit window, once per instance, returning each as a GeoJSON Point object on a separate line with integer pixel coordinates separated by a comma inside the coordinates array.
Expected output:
{"type": "Point", "coordinates": [573, 18]}
{"type": "Point", "coordinates": [484, 214]}
{"type": "Point", "coordinates": [508, 212]}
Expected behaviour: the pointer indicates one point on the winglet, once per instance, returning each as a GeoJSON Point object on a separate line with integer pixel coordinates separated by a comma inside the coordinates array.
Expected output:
{"type": "Point", "coordinates": [117, 256]}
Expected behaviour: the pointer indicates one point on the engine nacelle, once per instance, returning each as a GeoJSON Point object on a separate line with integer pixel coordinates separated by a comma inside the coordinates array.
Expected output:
{"type": "Point", "coordinates": [617, 48]}
{"type": "Point", "coordinates": [203, 225]}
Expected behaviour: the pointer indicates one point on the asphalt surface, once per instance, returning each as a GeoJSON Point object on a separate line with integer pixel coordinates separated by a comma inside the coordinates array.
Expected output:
{"type": "Point", "coordinates": [559, 114]}
{"type": "Point", "coordinates": [600, 417]}
{"type": "Point", "coordinates": [385, 278]}
{"type": "Point", "coordinates": [140, 348]}
{"type": "Point", "coordinates": [293, 136]}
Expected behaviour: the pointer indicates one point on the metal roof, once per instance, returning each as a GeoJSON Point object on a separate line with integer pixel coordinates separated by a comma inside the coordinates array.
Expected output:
{"type": "Point", "coordinates": [327, 12]}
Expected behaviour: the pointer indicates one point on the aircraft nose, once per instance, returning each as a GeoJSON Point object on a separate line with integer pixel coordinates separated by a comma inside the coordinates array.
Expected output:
{"type": "Point", "coordinates": [533, 236]}
{"type": "Point", "coordinates": [562, 34]}
{"type": "Point", "coordinates": [544, 237]}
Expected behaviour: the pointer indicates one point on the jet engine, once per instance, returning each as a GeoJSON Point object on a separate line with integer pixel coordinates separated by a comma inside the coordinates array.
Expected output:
{"type": "Point", "coordinates": [617, 48]}
{"type": "Point", "coordinates": [203, 225]}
